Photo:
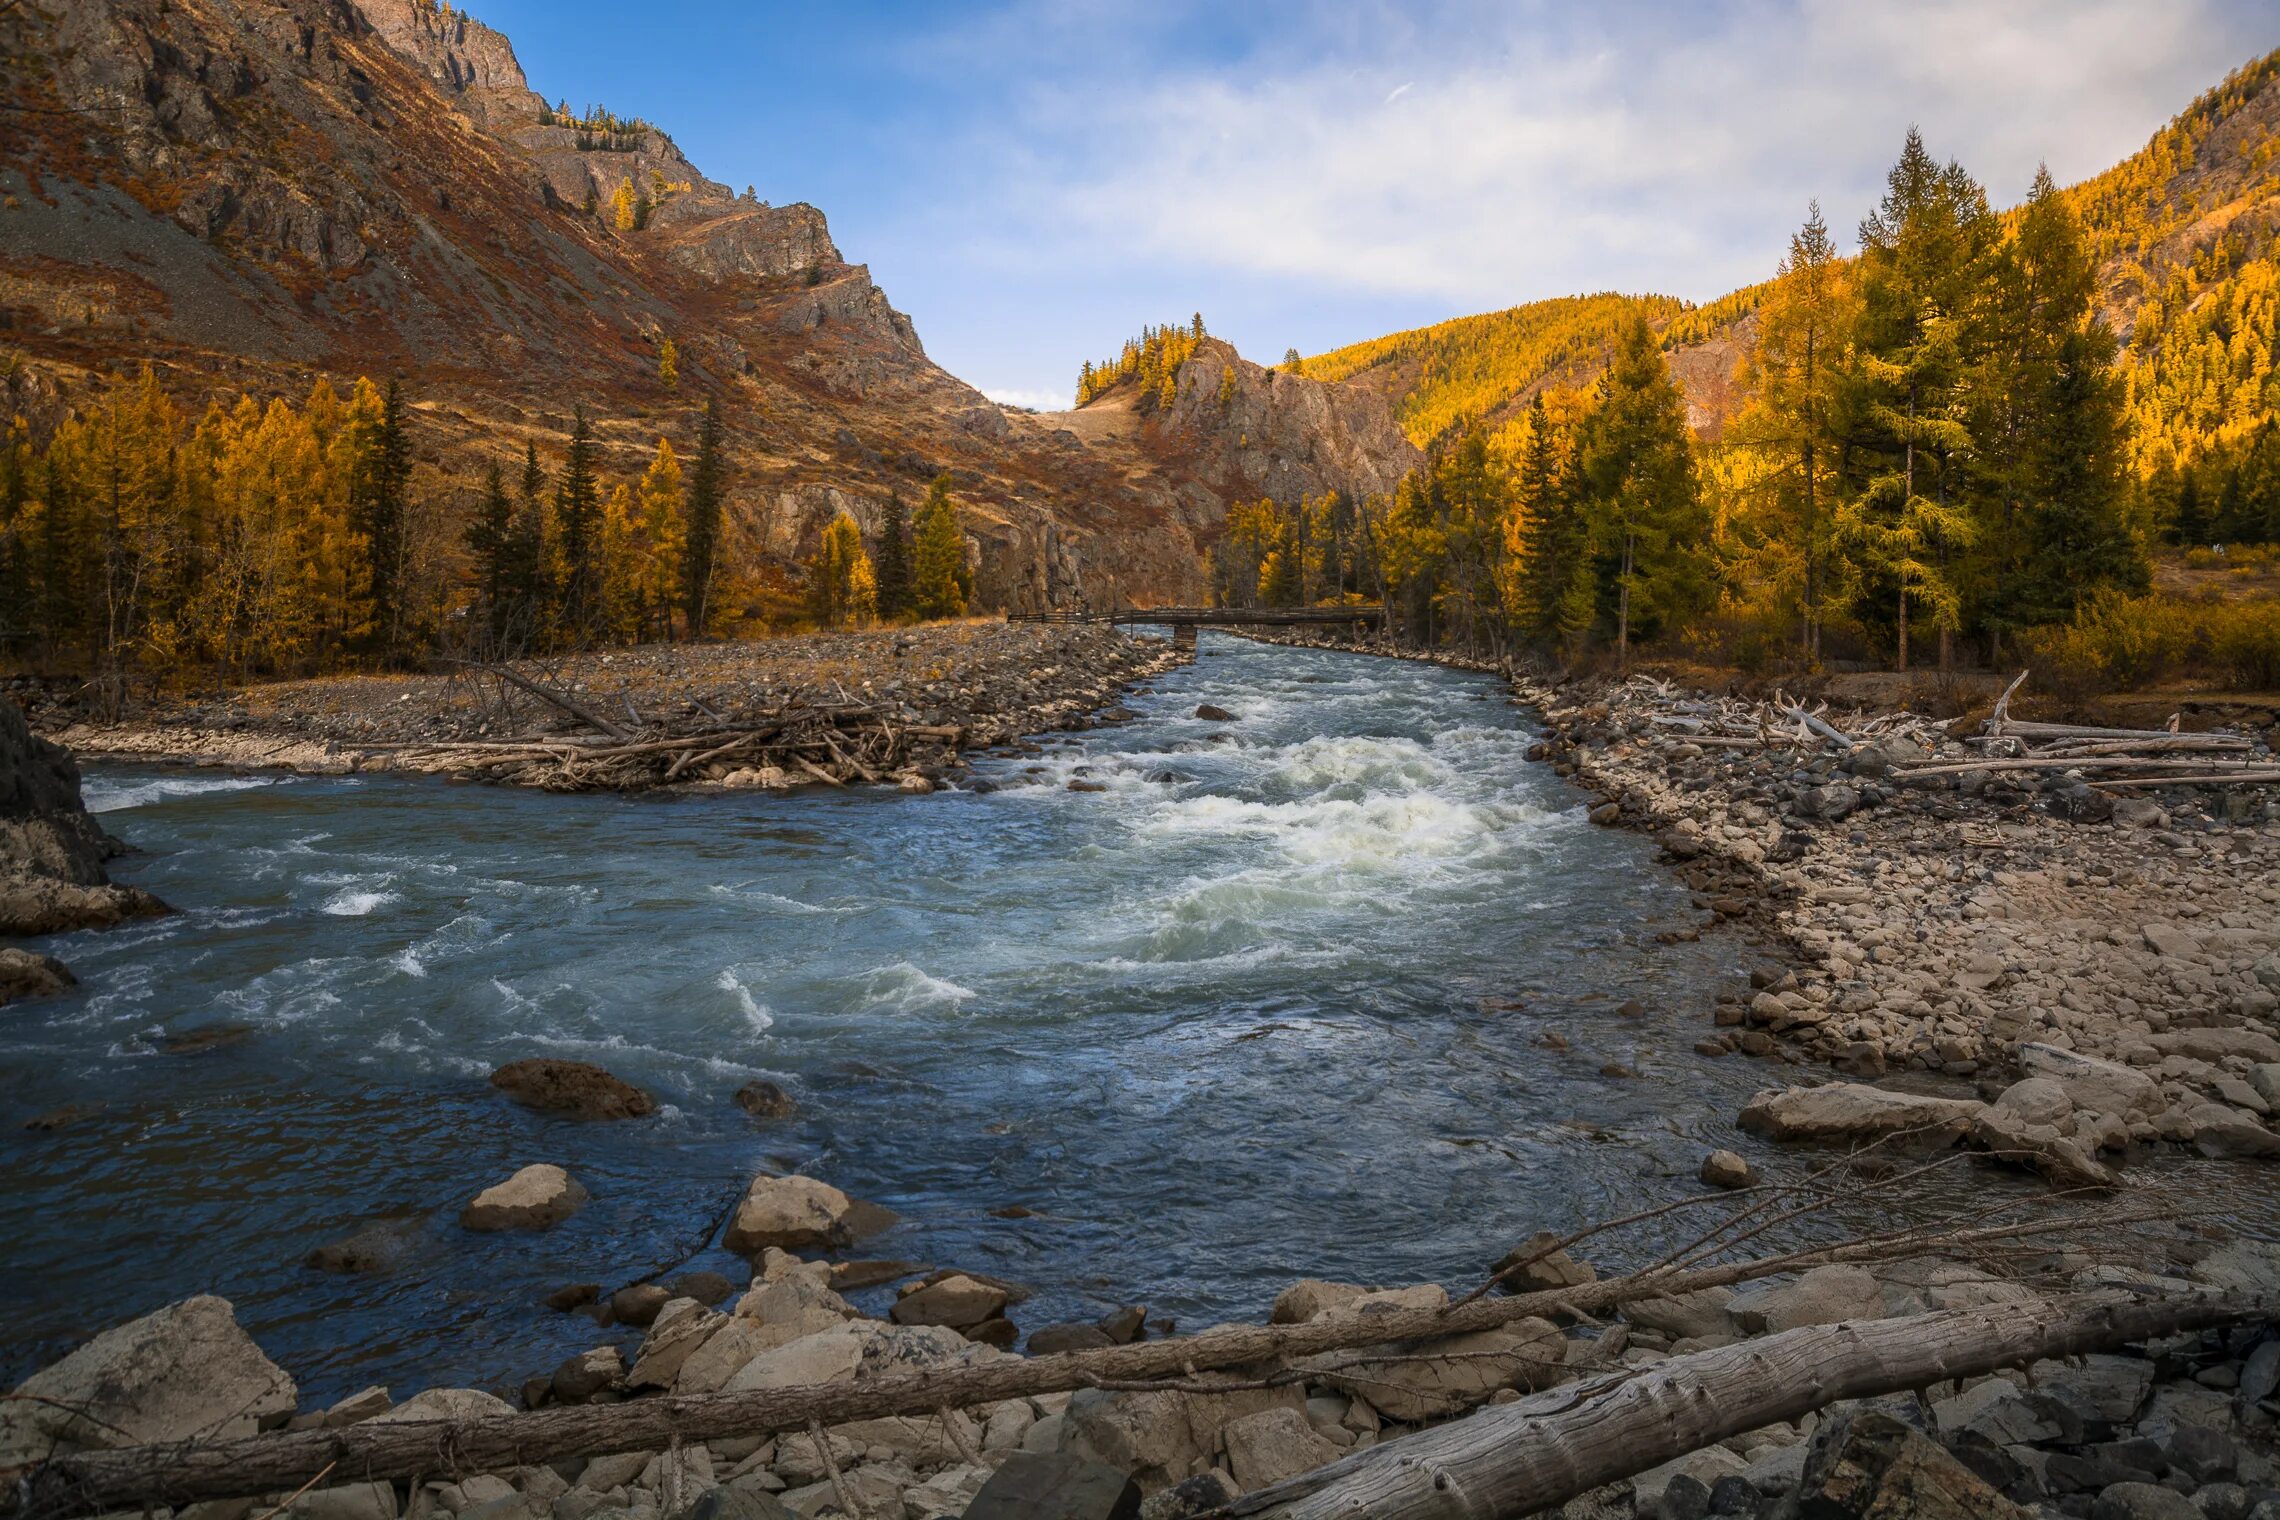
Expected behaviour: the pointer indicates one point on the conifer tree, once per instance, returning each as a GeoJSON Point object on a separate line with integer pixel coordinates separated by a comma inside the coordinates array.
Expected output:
{"type": "Point", "coordinates": [701, 551]}
{"type": "Point", "coordinates": [490, 544]}
{"type": "Point", "coordinates": [624, 214]}
{"type": "Point", "coordinates": [664, 535]}
{"type": "Point", "coordinates": [894, 560]}
{"type": "Point", "coordinates": [940, 583]}
{"type": "Point", "coordinates": [378, 510]}
{"type": "Point", "coordinates": [669, 364]}
{"type": "Point", "coordinates": [578, 531]}
{"type": "Point", "coordinates": [1637, 468]}
{"type": "Point", "coordinates": [1804, 323]}
{"type": "Point", "coordinates": [1549, 590]}
{"type": "Point", "coordinates": [842, 588]}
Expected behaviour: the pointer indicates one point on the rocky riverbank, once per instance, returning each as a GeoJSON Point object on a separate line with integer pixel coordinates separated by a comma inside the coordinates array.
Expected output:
{"type": "Point", "coordinates": [937, 690]}
{"type": "Point", "coordinates": [2176, 1427]}
{"type": "Point", "coordinates": [1938, 918]}
{"type": "Point", "coordinates": [52, 855]}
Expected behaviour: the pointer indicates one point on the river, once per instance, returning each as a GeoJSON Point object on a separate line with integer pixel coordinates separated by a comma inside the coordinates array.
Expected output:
{"type": "Point", "coordinates": [1275, 1004]}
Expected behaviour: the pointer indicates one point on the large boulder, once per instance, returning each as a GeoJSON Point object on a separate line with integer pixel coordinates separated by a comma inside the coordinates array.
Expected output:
{"type": "Point", "coordinates": [1161, 1438]}
{"type": "Point", "coordinates": [535, 1198]}
{"type": "Point", "coordinates": [576, 1088]}
{"type": "Point", "coordinates": [1434, 1380]}
{"type": "Point", "coordinates": [1275, 1444]}
{"type": "Point", "coordinates": [1822, 1296]}
{"type": "Point", "coordinates": [957, 1301]}
{"type": "Point", "coordinates": [2100, 1086]}
{"type": "Point", "coordinates": [1055, 1486]}
{"type": "Point", "coordinates": [183, 1373]}
{"type": "Point", "coordinates": [791, 1213]}
{"type": "Point", "coordinates": [1844, 1111]}
{"type": "Point", "coordinates": [51, 850]}
{"type": "Point", "coordinates": [2217, 1044]}
{"type": "Point", "coordinates": [25, 974]}
{"type": "Point", "coordinates": [681, 1328]}
{"type": "Point", "coordinates": [1310, 1298]}
{"type": "Point", "coordinates": [1866, 1465]}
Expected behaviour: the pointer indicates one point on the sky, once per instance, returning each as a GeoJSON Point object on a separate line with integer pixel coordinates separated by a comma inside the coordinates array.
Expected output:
{"type": "Point", "coordinates": [1034, 180]}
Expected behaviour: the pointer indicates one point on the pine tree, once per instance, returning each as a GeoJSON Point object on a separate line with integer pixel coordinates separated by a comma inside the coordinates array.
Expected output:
{"type": "Point", "coordinates": [1549, 591]}
{"type": "Point", "coordinates": [378, 510]}
{"type": "Point", "coordinates": [578, 531]}
{"type": "Point", "coordinates": [707, 487]}
{"type": "Point", "coordinates": [490, 543]}
{"type": "Point", "coordinates": [1804, 321]}
{"type": "Point", "coordinates": [894, 560]}
{"type": "Point", "coordinates": [1636, 464]}
{"type": "Point", "coordinates": [940, 583]}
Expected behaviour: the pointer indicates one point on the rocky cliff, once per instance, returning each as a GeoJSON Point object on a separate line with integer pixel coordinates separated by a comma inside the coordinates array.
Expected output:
{"type": "Point", "coordinates": [248, 193]}
{"type": "Point", "coordinates": [51, 851]}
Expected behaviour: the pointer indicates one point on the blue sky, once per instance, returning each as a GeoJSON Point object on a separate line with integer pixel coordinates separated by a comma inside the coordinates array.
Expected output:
{"type": "Point", "coordinates": [1033, 180]}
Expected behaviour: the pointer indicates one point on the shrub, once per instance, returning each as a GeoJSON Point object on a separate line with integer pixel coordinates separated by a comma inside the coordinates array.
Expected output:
{"type": "Point", "coordinates": [2117, 643]}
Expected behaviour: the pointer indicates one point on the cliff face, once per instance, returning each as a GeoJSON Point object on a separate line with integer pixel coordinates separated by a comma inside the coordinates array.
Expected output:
{"type": "Point", "coordinates": [248, 193]}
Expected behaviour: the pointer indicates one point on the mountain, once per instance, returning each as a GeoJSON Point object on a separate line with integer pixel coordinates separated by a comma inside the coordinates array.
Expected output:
{"type": "Point", "coordinates": [246, 194]}
{"type": "Point", "coordinates": [2187, 231]}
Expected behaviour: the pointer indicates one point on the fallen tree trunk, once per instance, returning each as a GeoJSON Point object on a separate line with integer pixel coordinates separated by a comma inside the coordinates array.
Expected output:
{"type": "Point", "coordinates": [1534, 1454]}
{"type": "Point", "coordinates": [91, 1482]}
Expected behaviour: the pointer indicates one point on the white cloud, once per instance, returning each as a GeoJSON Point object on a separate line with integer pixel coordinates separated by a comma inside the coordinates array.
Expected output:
{"type": "Point", "coordinates": [1537, 152]}
{"type": "Point", "coordinates": [1034, 400]}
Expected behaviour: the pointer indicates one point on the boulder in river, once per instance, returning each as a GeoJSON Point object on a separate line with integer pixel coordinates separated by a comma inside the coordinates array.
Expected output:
{"type": "Point", "coordinates": [535, 1198]}
{"type": "Point", "coordinates": [765, 1100]}
{"type": "Point", "coordinates": [373, 1249]}
{"type": "Point", "coordinates": [51, 849]}
{"type": "Point", "coordinates": [957, 1301]}
{"type": "Point", "coordinates": [26, 974]}
{"type": "Point", "coordinates": [184, 1373]}
{"type": "Point", "coordinates": [1724, 1169]}
{"type": "Point", "coordinates": [791, 1213]}
{"type": "Point", "coordinates": [577, 1088]}
{"type": "Point", "coordinates": [1211, 714]}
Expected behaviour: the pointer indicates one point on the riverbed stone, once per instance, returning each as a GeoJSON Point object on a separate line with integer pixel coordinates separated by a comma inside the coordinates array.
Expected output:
{"type": "Point", "coordinates": [1854, 1111]}
{"type": "Point", "coordinates": [374, 1249]}
{"type": "Point", "coordinates": [1865, 1463]}
{"type": "Point", "coordinates": [2092, 1082]}
{"type": "Point", "coordinates": [1275, 1444]}
{"type": "Point", "coordinates": [1437, 1379]}
{"type": "Point", "coordinates": [792, 1213]}
{"type": "Point", "coordinates": [1309, 1299]}
{"type": "Point", "coordinates": [1823, 1296]}
{"type": "Point", "coordinates": [1548, 1268]}
{"type": "Point", "coordinates": [346, 1501]}
{"type": "Point", "coordinates": [766, 1100]}
{"type": "Point", "coordinates": [1725, 1169]}
{"type": "Point", "coordinates": [2142, 1501]}
{"type": "Point", "coordinates": [1160, 1438]}
{"type": "Point", "coordinates": [1684, 1316]}
{"type": "Point", "coordinates": [578, 1089]}
{"type": "Point", "coordinates": [1058, 1486]}
{"type": "Point", "coordinates": [959, 1302]}
{"type": "Point", "coordinates": [680, 1329]}
{"type": "Point", "coordinates": [186, 1372]}
{"type": "Point", "coordinates": [26, 974]}
{"type": "Point", "coordinates": [588, 1373]}
{"type": "Point", "coordinates": [448, 1404]}
{"type": "Point", "coordinates": [536, 1198]}
{"type": "Point", "coordinates": [1210, 713]}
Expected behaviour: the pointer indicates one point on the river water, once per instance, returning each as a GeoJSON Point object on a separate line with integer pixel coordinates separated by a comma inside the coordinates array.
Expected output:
{"type": "Point", "coordinates": [1272, 1005]}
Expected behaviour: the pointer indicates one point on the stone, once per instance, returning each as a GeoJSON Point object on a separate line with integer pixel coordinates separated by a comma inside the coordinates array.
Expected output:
{"type": "Point", "coordinates": [1724, 1169]}
{"type": "Point", "coordinates": [827, 1356]}
{"type": "Point", "coordinates": [999, 1331]}
{"type": "Point", "coordinates": [26, 974]}
{"type": "Point", "coordinates": [2170, 941]}
{"type": "Point", "coordinates": [791, 1213]}
{"type": "Point", "coordinates": [733, 1345]}
{"type": "Point", "coordinates": [1701, 1468]}
{"type": "Point", "coordinates": [613, 1470]}
{"type": "Point", "coordinates": [448, 1404]}
{"type": "Point", "coordinates": [572, 1296]}
{"type": "Point", "coordinates": [578, 1089]}
{"type": "Point", "coordinates": [1436, 1379]}
{"type": "Point", "coordinates": [376, 1248]}
{"type": "Point", "coordinates": [588, 1373]}
{"type": "Point", "coordinates": [2099, 1390]}
{"type": "Point", "coordinates": [51, 849]}
{"type": "Point", "coordinates": [1853, 1111]}
{"type": "Point", "coordinates": [2217, 1044]}
{"type": "Point", "coordinates": [1058, 1486]}
{"type": "Point", "coordinates": [766, 1100]}
{"type": "Point", "coordinates": [1211, 714]}
{"type": "Point", "coordinates": [704, 1287]}
{"type": "Point", "coordinates": [2231, 1134]}
{"type": "Point", "coordinates": [1050, 1340]}
{"type": "Point", "coordinates": [1126, 1325]}
{"type": "Point", "coordinates": [1864, 1463]}
{"type": "Point", "coordinates": [1309, 1299]}
{"type": "Point", "coordinates": [1822, 1296]}
{"type": "Point", "coordinates": [1684, 1316]}
{"type": "Point", "coordinates": [1546, 1269]}
{"type": "Point", "coordinates": [2142, 1501]}
{"type": "Point", "coordinates": [347, 1501]}
{"type": "Point", "coordinates": [1204, 1494]}
{"type": "Point", "coordinates": [639, 1304]}
{"type": "Point", "coordinates": [723, 1502]}
{"type": "Point", "coordinates": [681, 1327]}
{"type": "Point", "coordinates": [1275, 1444]}
{"type": "Point", "coordinates": [946, 1494]}
{"type": "Point", "coordinates": [186, 1372]}
{"type": "Point", "coordinates": [959, 1302]}
{"type": "Point", "coordinates": [2139, 813]}
{"type": "Point", "coordinates": [1997, 1410]}
{"type": "Point", "coordinates": [2101, 1086]}
{"type": "Point", "coordinates": [535, 1198]}
{"type": "Point", "coordinates": [1159, 1437]}
{"type": "Point", "coordinates": [358, 1407]}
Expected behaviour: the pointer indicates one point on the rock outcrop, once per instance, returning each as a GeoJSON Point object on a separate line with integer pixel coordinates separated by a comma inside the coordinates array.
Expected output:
{"type": "Point", "coordinates": [51, 850]}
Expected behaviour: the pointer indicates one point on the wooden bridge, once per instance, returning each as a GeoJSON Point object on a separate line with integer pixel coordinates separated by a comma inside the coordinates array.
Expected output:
{"type": "Point", "coordinates": [1184, 621]}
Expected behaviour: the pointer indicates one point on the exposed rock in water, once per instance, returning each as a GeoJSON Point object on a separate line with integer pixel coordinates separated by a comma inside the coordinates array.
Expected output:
{"type": "Point", "coordinates": [535, 1198]}
{"type": "Point", "coordinates": [577, 1088]}
{"type": "Point", "coordinates": [765, 1100]}
{"type": "Point", "coordinates": [1724, 1169]}
{"type": "Point", "coordinates": [1852, 1111]}
{"type": "Point", "coordinates": [24, 974]}
{"type": "Point", "coordinates": [790, 1213]}
{"type": "Point", "coordinates": [51, 850]}
{"type": "Point", "coordinates": [1212, 714]}
{"type": "Point", "coordinates": [375, 1248]}
{"type": "Point", "coordinates": [184, 1373]}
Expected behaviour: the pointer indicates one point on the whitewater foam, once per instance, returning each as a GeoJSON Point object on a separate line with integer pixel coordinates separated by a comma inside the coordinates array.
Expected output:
{"type": "Point", "coordinates": [755, 1013]}
{"type": "Point", "coordinates": [908, 989]}
{"type": "Point", "coordinates": [106, 795]}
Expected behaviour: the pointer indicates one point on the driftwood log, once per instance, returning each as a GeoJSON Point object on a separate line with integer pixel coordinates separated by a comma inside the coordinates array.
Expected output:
{"type": "Point", "coordinates": [1514, 1459]}
{"type": "Point", "coordinates": [92, 1482]}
